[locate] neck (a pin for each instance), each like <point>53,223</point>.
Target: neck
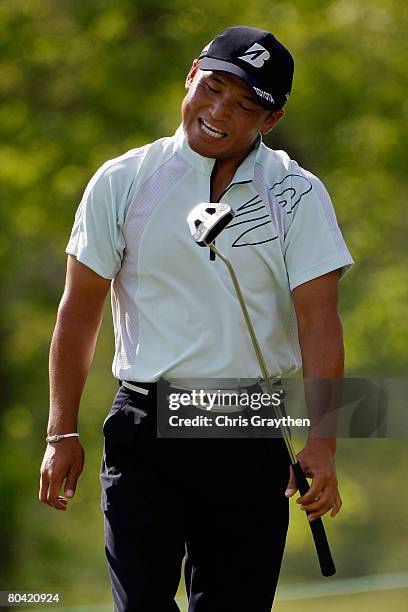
<point>223,173</point>
<point>221,176</point>
<point>228,167</point>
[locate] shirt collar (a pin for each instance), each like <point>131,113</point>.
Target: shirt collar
<point>205,165</point>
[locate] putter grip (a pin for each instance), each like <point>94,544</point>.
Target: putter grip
<point>319,535</point>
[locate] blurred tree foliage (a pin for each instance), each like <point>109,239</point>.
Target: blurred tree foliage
<point>82,82</point>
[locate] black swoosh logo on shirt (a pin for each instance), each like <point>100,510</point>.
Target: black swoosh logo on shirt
<point>289,192</point>
<point>251,206</point>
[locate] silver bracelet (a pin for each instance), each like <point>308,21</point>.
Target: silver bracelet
<point>59,437</point>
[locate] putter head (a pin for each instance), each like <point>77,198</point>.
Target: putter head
<point>207,220</point>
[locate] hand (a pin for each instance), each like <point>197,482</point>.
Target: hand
<point>317,461</point>
<point>62,460</point>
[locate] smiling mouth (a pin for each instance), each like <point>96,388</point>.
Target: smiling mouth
<point>210,130</point>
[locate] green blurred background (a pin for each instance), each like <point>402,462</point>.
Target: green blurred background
<point>82,82</point>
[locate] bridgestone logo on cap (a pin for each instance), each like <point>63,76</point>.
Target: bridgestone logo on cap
<point>264,94</point>
<point>256,55</point>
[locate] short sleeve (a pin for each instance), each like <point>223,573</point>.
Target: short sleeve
<point>96,239</point>
<point>313,244</point>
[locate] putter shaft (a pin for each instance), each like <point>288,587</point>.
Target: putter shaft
<point>257,348</point>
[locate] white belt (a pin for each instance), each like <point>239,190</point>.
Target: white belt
<point>135,388</point>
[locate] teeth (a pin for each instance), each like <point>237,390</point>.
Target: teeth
<point>212,128</point>
<point>208,129</point>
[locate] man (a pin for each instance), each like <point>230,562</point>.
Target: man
<point>176,318</point>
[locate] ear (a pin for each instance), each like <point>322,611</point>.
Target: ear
<point>271,120</point>
<point>191,74</point>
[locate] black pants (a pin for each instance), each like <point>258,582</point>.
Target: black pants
<point>217,502</point>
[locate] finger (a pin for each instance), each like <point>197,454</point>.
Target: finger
<point>325,499</point>
<point>315,515</point>
<point>71,483</point>
<point>62,503</point>
<point>292,484</point>
<point>336,506</point>
<point>53,497</point>
<point>316,488</point>
<point>327,504</point>
<point>43,492</point>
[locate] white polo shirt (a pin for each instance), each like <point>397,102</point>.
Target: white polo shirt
<point>175,312</point>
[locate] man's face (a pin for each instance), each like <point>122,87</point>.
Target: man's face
<point>221,115</point>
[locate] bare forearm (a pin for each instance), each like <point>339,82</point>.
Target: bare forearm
<point>72,349</point>
<point>323,368</point>
<point>321,344</point>
<point>71,353</point>
<point>322,349</point>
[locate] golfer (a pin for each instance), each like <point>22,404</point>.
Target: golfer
<point>221,504</point>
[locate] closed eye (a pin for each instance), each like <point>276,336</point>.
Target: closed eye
<point>212,88</point>
<point>249,110</point>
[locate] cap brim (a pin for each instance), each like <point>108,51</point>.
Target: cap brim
<point>211,63</point>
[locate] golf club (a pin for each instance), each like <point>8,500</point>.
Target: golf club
<point>206,221</point>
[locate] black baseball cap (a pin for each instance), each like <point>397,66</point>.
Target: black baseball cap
<point>255,56</point>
